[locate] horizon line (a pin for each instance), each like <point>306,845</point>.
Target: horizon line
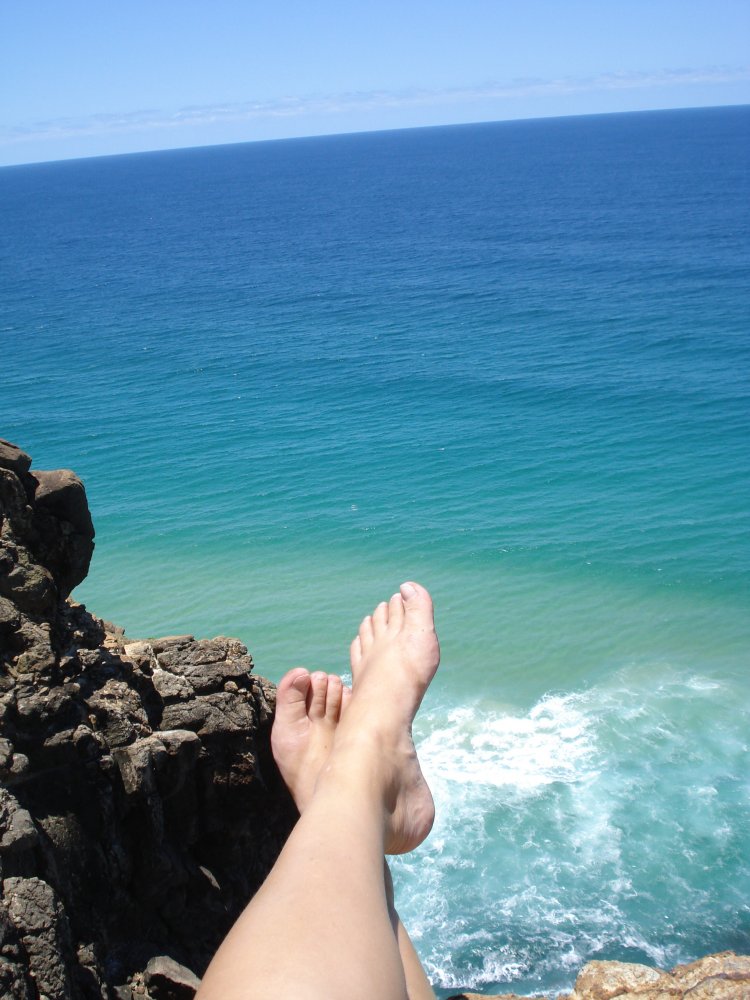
<point>376,131</point>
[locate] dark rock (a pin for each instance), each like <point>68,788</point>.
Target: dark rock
<point>17,830</point>
<point>10,617</point>
<point>46,536</point>
<point>63,538</point>
<point>171,687</point>
<point>168,980</point>
<point>28,585</point>
<point>61,494</point>
<point>35,641</point>
<point>89,979</point>
<point>14,982</point>
<point>208,664</point>
<point>39,918</point>
<point>13,502</point>
<point>11,457</point>
<point>218,714</point>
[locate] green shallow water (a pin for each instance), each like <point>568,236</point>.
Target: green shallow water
<point>504,624</point>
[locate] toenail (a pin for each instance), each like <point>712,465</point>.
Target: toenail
<point>408,590</point>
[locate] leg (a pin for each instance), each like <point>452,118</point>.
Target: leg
<point>320,926</point>
<point>308,709</point>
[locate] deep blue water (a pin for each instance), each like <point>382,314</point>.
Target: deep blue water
<point>510,360</point>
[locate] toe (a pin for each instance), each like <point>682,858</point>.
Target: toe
<point>366,634</point>
<point>291,707</point>
<point>355,652</point>
<point>417,606</point>
<point>395,612</point>
<point>291,694</point>
<point>333,699</point>
<point>380,618</point>
<point>316,699</point>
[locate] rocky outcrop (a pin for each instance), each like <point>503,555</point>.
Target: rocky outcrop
<point>725,976</point>
<point>139,804</point>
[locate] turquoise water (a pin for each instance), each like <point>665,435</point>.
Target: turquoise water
<point>510,361</point>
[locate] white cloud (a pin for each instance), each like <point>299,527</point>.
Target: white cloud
<point>148,120</point>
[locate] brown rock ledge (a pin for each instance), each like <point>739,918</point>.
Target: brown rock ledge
<point>724,976</point>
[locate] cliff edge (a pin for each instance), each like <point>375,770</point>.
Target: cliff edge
<point>140,807</point>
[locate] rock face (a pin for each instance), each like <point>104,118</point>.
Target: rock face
<point>140,807</point>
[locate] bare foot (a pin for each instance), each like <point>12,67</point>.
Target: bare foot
<point>394,657</point>
<point>308,708</point>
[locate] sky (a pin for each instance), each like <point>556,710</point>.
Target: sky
<point>86,78</point>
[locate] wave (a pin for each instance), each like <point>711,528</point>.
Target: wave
<point>607,822</point>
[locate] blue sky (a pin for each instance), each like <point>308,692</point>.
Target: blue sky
<point>85,78</point>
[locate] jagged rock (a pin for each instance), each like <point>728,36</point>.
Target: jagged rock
<point>166,979</point>
<point>46,533</point>
<point>61,493</point>
<point>14,983</point>
<point>724,976</point>
<point>39,918</point>
<point>17,830</point>
<point>604,980</point>
<point>64,532</point>
<point>726,965</point>
<point>11,457</point>
<point>219,714</point>
<point>30,586</point>
<point>10,617</point>
<point>140,807</point>
<point>171,687</point>
<point>160,764</point>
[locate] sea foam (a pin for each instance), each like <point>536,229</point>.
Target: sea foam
<point>592,825</point>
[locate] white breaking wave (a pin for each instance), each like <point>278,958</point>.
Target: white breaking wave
<point>606,822</point>
<point>553,742</point>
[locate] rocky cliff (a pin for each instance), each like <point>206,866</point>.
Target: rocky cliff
<point>139,804</point>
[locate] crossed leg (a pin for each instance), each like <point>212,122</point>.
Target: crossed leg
<point>323,923</point>
<point>308,709</point>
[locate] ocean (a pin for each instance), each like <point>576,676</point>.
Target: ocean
<point>508,360</point>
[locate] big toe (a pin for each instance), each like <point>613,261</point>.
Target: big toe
<point>291,696</point>
<point>418,613</point>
